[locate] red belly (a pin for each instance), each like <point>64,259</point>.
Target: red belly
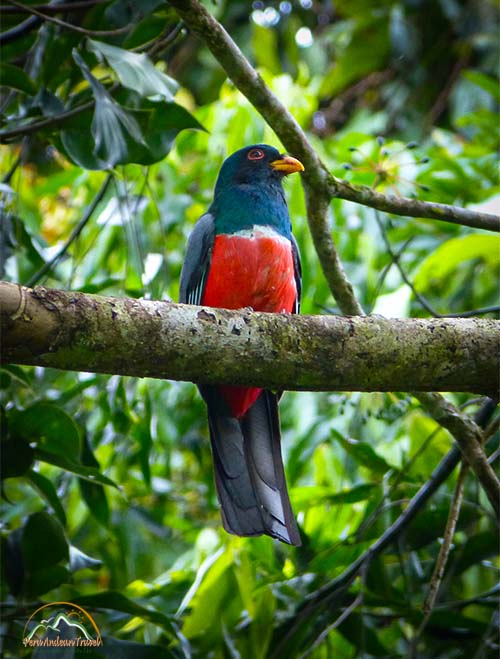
<point>252,272</point>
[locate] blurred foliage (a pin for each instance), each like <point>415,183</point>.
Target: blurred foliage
<point>108,497</point>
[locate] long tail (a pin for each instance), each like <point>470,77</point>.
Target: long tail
<point>249,472</point>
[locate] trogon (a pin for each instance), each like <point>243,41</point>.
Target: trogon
<point>240,254</point>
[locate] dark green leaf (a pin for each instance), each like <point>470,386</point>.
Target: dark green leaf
<point>305,496</point>
<point>488,83</point>
<point>478,547</point>
<point>147,30</point>
<point>12,564</point>
<point>159,124</point>
<point>116,649</point>
<point>17,456</point>
<point>136,71</point>
<point>116,601</point>
<point>45,487</point>
<point>364,454</point>
<point>90,473</point>
<point>17,373</point>
<point>93,493</point>
<point>360,634</point>
<point>43,580</point>
<point>110,124</point>
<point>430,524</point>
<point>450,625</point>
<point>43,542</point>
<point>14,77</point>
<point>52,429</point>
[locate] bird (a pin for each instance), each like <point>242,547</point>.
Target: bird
<point>242,254</point>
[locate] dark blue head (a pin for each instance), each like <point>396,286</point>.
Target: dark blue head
<point>249,190</point>
<point>259,164</point>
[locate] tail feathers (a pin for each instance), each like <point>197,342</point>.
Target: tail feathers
<point>249,472</point>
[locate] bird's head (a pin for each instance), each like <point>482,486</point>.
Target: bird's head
<point>254,165</point>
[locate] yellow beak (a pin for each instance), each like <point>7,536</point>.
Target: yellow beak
<point>287,165</point>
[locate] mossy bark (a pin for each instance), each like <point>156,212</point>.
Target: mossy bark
<point>76,331</point>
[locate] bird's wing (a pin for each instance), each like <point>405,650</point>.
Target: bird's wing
<point>249,472</point>
<point>297,269</point>
<point>197,261</point>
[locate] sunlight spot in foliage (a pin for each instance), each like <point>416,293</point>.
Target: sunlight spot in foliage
<point>267,17</point>
<point>304,37</point>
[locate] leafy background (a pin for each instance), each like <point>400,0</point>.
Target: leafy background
<point>108,497</point>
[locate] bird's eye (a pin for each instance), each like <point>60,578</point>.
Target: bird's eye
<point>255,154</point>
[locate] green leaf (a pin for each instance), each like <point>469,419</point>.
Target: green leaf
<point>90,473</point>
<point>117,649</point>
<point>211,589</point>
<point>356,630</point>
<point>15,78</point>
<point>159,124</point>
<point>363,454</point>
<point>453,253</point>
<point>430,524</point>
<point>43,542</point>
<point>109,126</point>
<point>49,427</point>
<point>116,601</point>
<point>17,457</point>
<point>136,71</point>
<point>45,487</point>
<point>305,496</point>
<point>17,373</point>
<point>455,626</point>
<point>145,31</point>
<point>477,548</point>
<point>93,493</point>
<point>12,561</point>
<point>488,83</point>
<point>42,581</point>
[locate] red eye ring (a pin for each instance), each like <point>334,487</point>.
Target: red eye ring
<point>255,154</point>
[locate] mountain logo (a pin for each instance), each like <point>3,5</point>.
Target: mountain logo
<point>61,624</point>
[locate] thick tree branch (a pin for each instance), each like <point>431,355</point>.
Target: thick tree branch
<point>77,331</point>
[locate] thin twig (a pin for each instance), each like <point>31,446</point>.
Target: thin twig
<point>444,551</point>
<point>79,5</point>
<point>395,258</point>
<point>50,122</point>
<point>343,616</point>
<point>163,42</point>
<point>19,31</point>
<point>69,26</point>
<point>388,266</point>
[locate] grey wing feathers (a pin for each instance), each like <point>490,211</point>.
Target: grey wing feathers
<point>249,472</point>
<point>197,261</point>
<point>297,272</point>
